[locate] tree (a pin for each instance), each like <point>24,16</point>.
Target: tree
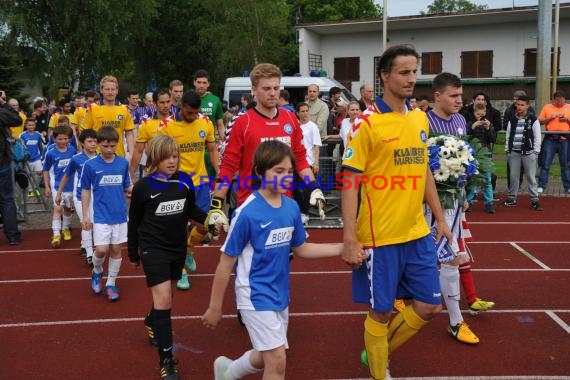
<point>453,6</point>
<point>335,10</point>
<point>10,67</point>
<point>70,40</point>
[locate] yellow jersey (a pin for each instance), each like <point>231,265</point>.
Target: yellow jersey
<point>79,115</point>
<point>149,128</point>
<point>116,116</point>
<point>192,139</point>
<point>53,120</point>
<point>389,151</point>
<point>17,131</point>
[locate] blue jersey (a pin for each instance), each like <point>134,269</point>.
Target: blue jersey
<point>73,171</point>
<point>56,163</point>
<point>107,183</point>
<point>33,142</point>
<point>261,238</point>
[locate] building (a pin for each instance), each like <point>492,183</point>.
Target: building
<point>493,50</point>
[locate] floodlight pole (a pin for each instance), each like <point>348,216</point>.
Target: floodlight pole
<point>385,26</point>
<point>555,55</point>
<point>543,53</point>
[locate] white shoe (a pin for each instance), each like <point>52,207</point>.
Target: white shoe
<point>305,219</point>
<point>540,190</point>
<point>221,365</point>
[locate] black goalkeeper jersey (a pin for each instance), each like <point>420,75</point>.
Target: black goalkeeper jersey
<point>159,214</point>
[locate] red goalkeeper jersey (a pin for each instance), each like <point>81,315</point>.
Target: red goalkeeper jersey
<point>248,131</point>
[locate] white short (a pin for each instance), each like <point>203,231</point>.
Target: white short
<point>105,234</point>
<point>79,209</point>
<point>267,329</point>
<point>66,198</point>
<point>36,166</point>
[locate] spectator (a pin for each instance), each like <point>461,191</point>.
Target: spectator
<point>246,99</point>
<point>482,130</point>
<point>39,112</point>
<point>318,110</point>
<point>284,99</point>
<point>15,105</point>
<point>8,119</point>
<point>493,115</point>
<point>556,117</point>
<point>312,143</point>
<point>423,103</point>
<point>413,102</point>
<point>366,100</point>
<point>511,109</point>
<point>522,146</point>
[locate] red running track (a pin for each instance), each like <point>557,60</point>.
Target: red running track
<point>52,326</point>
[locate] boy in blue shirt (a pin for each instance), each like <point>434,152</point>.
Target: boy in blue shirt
<point>104,182</point>
<point>55,163</point>
<point>34,145</point>
<point>88,140</point>
<point>264,229</point>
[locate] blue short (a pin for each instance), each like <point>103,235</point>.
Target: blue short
<point>406,270</point>
<point>202,195</point>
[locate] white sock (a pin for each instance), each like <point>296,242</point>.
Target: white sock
<point>241,367</point>
<point>87,242</point>
<point>66,221</point>
<point>114,267</point>
<point>449,281</point>
<point>98,264</point>
<point>56,226</point>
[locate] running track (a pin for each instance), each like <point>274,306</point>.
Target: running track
<point>53,327</point>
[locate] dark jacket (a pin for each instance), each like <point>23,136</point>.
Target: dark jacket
<point>493,115</point>
<point>8,118</point>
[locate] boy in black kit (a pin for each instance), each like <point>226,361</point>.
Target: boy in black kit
<point>161,206</point>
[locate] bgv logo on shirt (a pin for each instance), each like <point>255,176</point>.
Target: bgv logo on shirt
<point>279,236</point>
<point>170,207</point>
<point>111,180</point>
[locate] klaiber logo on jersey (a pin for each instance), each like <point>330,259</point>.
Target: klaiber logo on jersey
<point>111,180</point>
<point>279,236</point>
<point>170,207</point>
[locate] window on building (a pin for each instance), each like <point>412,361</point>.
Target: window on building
<point>347,70</point>
<point>477,64</point>
<point>530,62</point>
<point>431,62</point>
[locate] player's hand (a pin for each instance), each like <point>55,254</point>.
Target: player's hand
<point>318,200</point>
<point>353,254</point>
<point>211,318</point>
<point>57,199</point>
<point>216,217</point>
<point>442,229</point>
<point>86,225</point>
<point>196,237</point>
<point>129,191</point>
<point>47,192</point>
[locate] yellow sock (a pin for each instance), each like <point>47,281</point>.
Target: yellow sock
<point>404,326</point>
<point>376,342</point>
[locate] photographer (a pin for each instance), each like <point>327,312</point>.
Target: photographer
<point>482,129</point>
<point>8,118</point>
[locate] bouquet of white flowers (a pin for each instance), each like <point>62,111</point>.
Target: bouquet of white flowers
<point>453,163</point>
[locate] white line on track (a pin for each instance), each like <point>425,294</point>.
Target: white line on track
<point>528,255</point>
<point>57,279</point>
<point>520,223</point>
<point>52,250</point>
<point>473,378</point>
<point>559,320</point>
<point>194,317</point>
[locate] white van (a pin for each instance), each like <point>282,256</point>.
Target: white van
<point>297,87</point>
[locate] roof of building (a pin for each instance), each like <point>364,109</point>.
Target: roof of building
<point>485,17</point>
